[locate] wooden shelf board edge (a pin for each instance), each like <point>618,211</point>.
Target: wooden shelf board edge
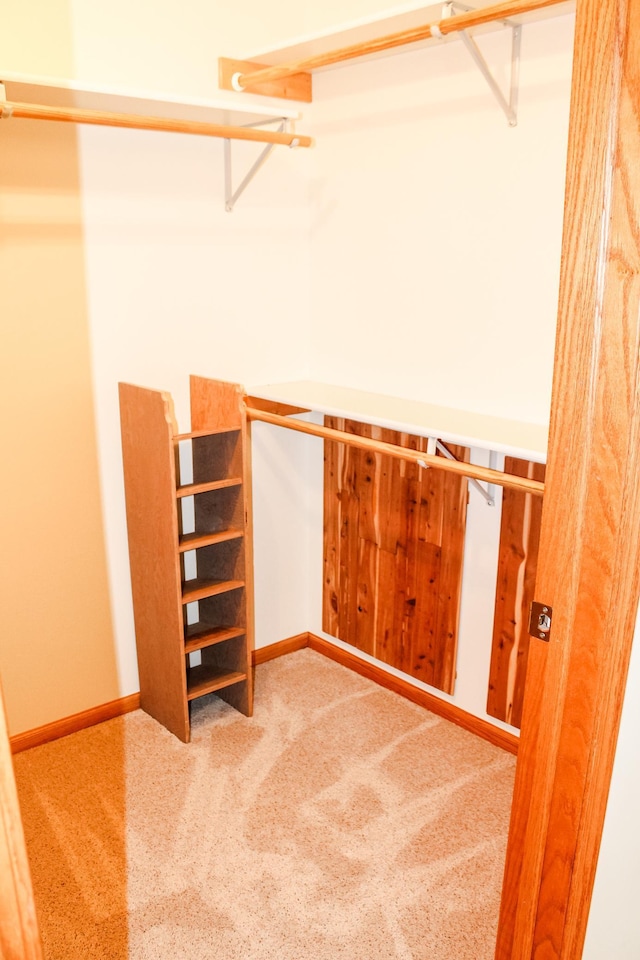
<point>191,541</point>
<point>191,489</point>
<point>274,406</point>
<point>209,637</point>
<point>195,434</point>
<point>74,723</point>
<point>209,589</point>
<point>204,681</point>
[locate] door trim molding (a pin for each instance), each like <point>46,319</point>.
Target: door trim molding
<point>589,549</point>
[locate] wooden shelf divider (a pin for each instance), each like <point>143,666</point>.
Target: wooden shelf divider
<point>191,541</point>
<point>201,636</point>
<point>201,681</point>
<point>191,489</point>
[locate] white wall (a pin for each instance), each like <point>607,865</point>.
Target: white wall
<point>437,228</point>
<point>614,921</point>
<point>176,285</point>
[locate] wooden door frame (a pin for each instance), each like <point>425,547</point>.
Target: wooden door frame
<point>589,549</point>
<point>19,937</point>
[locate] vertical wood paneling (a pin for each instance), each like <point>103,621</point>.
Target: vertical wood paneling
<point>453,515</point>
<point>517,566</point>
<point>19,937</point>
<point>349,548</point>
<point>331,510</point>
<point>385,638</point>
<point>394,536</point>
<point>366,592</point>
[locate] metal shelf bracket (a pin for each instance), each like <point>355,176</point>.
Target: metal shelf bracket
<point>230,196</point>
<point>510,106</point>
<point>487,493</point>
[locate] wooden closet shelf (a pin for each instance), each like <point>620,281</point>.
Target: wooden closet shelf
<point>191,489</point>
<point>199,635</point>
<point>198,589</point>
<point>262,78</point>
<point>191,541</point>
<point>466,428</point>
<point>205,679</point>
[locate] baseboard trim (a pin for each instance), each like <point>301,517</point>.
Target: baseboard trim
<point>481,728</point>
<point>78,721</point>
<point>116,708</point>
<point>280,649</point>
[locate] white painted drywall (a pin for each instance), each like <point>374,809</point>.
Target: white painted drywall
<point>176,285</point>
<point>613,932</point>
<point>437,228</point>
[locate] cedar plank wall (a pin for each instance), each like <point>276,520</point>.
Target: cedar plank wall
<point>393,548</point>
<point>517,566</point>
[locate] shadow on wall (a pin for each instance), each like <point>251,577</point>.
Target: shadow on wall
<point>57,654</point>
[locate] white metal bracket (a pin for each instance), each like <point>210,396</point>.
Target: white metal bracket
<point>488,493</point>
<point>510,106</point>
<point>230,196</point>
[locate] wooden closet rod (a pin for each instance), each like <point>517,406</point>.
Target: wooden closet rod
<point>462,21</point>
<point>401,453</point>
<point>29,111</point>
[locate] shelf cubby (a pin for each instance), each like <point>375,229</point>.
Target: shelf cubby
<point>191,541</point>
<point>223,665</point>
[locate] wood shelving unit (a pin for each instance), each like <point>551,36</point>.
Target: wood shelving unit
<point>192,588</point>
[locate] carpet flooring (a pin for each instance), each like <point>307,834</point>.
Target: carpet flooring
<point>341,821</point>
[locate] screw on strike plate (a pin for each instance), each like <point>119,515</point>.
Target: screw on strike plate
<point>540,620</point>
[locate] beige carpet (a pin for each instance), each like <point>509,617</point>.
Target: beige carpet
<point>340,822</point>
